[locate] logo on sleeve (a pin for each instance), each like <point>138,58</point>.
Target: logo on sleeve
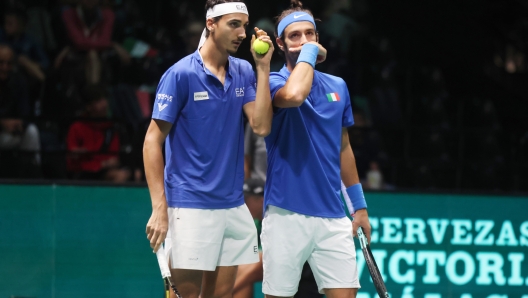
<point>239,92</point>
<point>164,97</point>
<point>201,95</point>
<point>161,107</point>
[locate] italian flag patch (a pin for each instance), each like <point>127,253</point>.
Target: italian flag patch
<point>332,96</point>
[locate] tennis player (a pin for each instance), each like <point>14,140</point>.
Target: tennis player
<point>309,153</point>
<point>199,109</point>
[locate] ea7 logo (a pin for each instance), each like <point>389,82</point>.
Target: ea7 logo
<point>161,107</point>
<point>239,92</point>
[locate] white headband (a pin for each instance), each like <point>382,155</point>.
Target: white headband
<point>220,10</point>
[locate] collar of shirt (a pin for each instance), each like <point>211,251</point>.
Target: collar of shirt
<point>228,77</point>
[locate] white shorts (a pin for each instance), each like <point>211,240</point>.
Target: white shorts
<point>202,239</point>
<point>290,239</point>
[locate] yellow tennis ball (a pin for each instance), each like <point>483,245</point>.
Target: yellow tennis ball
<point>260,47</point>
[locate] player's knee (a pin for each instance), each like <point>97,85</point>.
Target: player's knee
<point>223,291</point>
<point>187,292</point>
<point>227,294</point>
<point>341,293</point>
<point>172,295</point>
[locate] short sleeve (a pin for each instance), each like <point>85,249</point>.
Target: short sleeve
<point>348,118</point>
<point>250,86</point>
<point>276,82</point>
<point>171,96</point>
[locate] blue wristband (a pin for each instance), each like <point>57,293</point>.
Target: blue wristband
<point>355,193</point>
<point>308,54</point>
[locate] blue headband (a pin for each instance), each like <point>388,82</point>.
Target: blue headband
<point>297,16</point>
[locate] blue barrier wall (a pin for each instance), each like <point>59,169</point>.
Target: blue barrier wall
<point>73,241</point>
<point>70,241</point>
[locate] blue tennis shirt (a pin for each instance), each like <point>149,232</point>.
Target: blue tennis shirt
<point>304,148</point>
<point>204,151</point>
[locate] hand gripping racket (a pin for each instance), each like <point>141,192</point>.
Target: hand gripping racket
<point>165,273</point>
<point>371,264</point>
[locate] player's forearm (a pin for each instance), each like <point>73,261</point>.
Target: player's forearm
<point>351,188</point>
<point>299,84</point>
<point>263,112</point>
<point>153,161</point>
<point>349,174</point>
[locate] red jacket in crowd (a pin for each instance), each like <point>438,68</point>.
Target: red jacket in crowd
<point>96,37</point>
<point>90,137</point>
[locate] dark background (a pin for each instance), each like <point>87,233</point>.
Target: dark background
<point>438,89</point>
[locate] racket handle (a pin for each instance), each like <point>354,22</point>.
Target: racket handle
<point>362,238</point>
<point>162,261</point>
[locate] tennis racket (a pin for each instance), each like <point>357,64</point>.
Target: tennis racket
<point>371,264</point>
<point>165,273</point>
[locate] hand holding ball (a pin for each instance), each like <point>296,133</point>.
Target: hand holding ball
<point>260,47</point>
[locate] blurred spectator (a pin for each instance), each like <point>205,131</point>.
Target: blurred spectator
<point>374,177</point>
<point>431,107</point>
<point>385,103</point>
<point>514,60</point>
<point>129,20</point>
<point>15,132</point>
<point>338,27</point>
<point>248,274</point>
<point>341,36</point>
<point>366,144</point>
<point>255,157</point>
<point>254,199</point>
<point>94,143</point>
<point>413,104</point>
<point>481,113</point>
<point>39,26</point>
<point>29,55</point>
<point>89,25</point>
<point>166,48</point>
<point>191,36</point>
<point>89,28</point>
<point>90,58</point>
<point>255,167</point>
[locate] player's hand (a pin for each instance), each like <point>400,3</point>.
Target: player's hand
<point>262,60</point>
<point>157,227</point>
<point>361,220</point>
<point>321,56</point>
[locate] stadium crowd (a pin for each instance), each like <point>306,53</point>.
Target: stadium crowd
<point>78,77</point>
